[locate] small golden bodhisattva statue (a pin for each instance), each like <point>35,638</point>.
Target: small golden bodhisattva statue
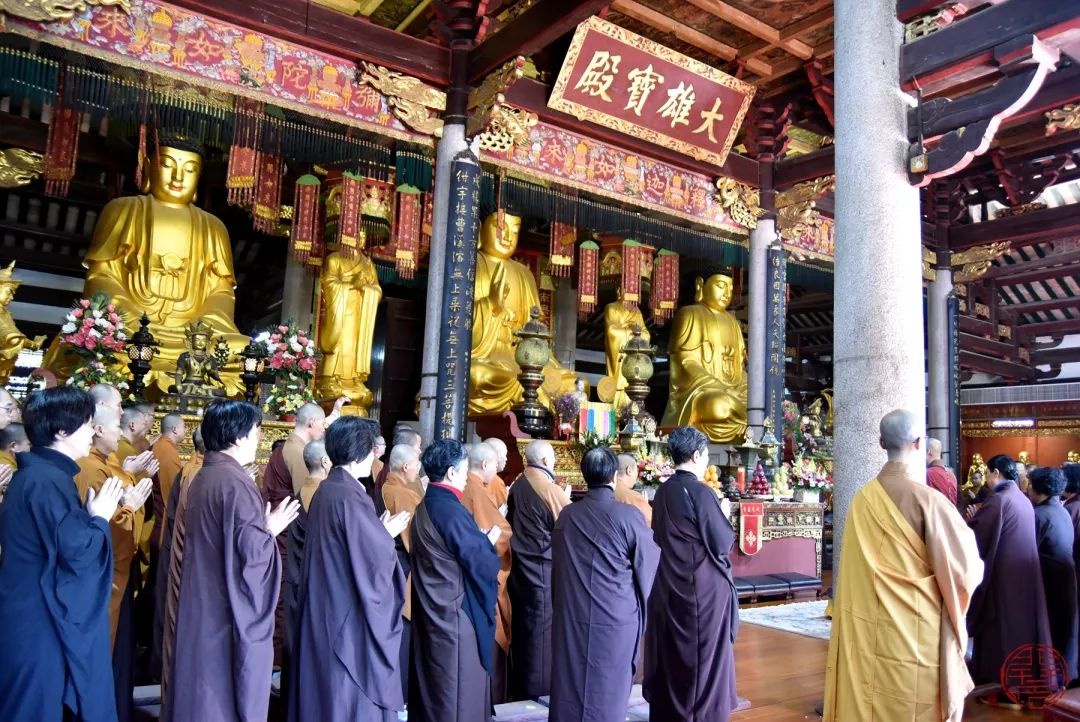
<point>620,318</point>
<point>197,369</point>
<point>12,340</point>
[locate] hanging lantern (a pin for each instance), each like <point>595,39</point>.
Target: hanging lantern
<point>665,286</point>
<point>588,278</point>
<point>407,233</point>
<point>563,237</point>
<point>350,233</point>
<point>631,271</point>
<point>267,209</point>
<point>305,224</point>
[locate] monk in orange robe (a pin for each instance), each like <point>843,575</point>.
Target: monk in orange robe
<point>625,478</point>
<point>481,504</point>
<point>169,466</point>
<point>498,489</point>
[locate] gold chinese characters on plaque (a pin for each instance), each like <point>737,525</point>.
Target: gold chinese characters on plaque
<point>623,81</point>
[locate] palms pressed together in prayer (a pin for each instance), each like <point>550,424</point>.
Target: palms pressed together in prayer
<point>493,534</point>
<point>134,497</point>
<point>146,461</point>
<point>103,503</point>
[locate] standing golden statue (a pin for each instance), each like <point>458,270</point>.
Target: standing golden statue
<point>620,318</point>
<point>708,365</point>
<point>977,467</point>
<point>12,340</point>
<point>505,292</point>
<point>350,298</point>
<point>160,255</point>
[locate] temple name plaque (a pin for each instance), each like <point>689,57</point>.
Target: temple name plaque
<point>625,82</point>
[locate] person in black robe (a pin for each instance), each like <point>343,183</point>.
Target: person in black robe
<point>533,506</point>
<point>57,570</point>
<point>1054,536</point>
<point>603,563</point>
<point>344,662</point>
<point>455,582</point>
<point>693,611</point>
<point>1008,610</point>
<point>229,581</point>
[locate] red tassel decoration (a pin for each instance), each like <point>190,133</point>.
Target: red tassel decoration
<point>305,226</point>
<point>631,271</point>
<point>427,224</point>
<point>407,240</point>
<point>351,234</point>
<point>267,210</point>
<point>665,286</point>
<point>563,237</point>
<point>61,147</point>
<point>588,278</point>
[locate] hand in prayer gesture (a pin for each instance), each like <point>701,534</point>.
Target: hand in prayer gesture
<point>493,534</point>
<point>150,441</point>
<point>103,503</point>
<point>286,512</point>
<point>503,509</point>
<point>969,512</point>
<point>395,524</point>
<point>252,470</point>
<point>725,507</point>
<point>567,489</point>
<point>141,462</point>
<point>6,472</point>
<point>135,496</point>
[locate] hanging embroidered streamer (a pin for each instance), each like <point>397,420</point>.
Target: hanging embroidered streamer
<point>244,154</point>
<point>588,278</point>
<point>305,226</point>
<point>425,226</point>
<point>563,237</point>
<point>350,233</point>
<point>632,253</point>
<point>377,210</point>
<point>665,286</point>
<point>61,146</point>
<point>407,232</point>
<point>267,209</point>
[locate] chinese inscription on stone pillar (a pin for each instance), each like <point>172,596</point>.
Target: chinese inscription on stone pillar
<point>455,334</point>
<point>775,329</point>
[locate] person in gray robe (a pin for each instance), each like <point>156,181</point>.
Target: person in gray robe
<point>344,661</point>
<point>455,582</point>
<point>229,582</point>
<point>693,611</point>
<point>603,563</point>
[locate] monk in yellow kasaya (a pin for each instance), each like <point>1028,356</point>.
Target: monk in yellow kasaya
<point>708,365</point>
<point>159,254</point>
<point>908,569</point>
<point>505,293</point>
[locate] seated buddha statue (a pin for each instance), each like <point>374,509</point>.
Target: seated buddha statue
<point>160,255</point>
<point>197,368</point>
<point>620,318</point>
<point>505,291</point>
<point>708,365</point>
<point>350,297</point>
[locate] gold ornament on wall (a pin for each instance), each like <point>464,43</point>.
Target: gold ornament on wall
<point>48,10</point>
<point>808,191</point>
<point>929,258</point>
<point>741,202</point>
<point>412,102</point>
<point>1066,118</point>
<point>508,127</point>
<point>18,167</point>
<point>974,262</point>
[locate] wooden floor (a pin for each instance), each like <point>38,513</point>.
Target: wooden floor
<point>783,676</point>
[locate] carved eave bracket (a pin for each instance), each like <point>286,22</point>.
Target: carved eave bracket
<point>415,104</point>
<point>51,10</point>
<point>740,202</point>
<point>507,127</point>
<point>970,264</point>
<point>1064,118</point>
<point>1026,63</point>
<point>486,98</point>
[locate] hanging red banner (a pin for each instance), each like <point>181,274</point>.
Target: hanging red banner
<point>632,252</point>
<point>61,147</point>
<point>588,278</point>
<point>240,175</point>
<point>267,208</point>
<point>561,254</point>
<point>305,226</point>
<point>350,232</point>
<point>751,514</point>
<point>425,226</point>
<point>664,294</point>
<point>407,234</point>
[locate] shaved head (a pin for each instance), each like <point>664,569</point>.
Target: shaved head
<point>105,415</point>
<point>540,453</point>
<point>105,395</point>
<point>901,433</point>
<point>401,455</point>
<point>933,449</point>
<point>500,452</point>
<point>483,461</point>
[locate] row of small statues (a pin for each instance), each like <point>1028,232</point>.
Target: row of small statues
<point>161,255</point>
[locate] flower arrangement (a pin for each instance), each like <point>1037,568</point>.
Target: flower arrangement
<point>653,471</point>
<point>290,351</point>
<point>567,408</point>
<point>286,397</point>
<point>591,440</point>
<point>809,474</point>
<point>94,330</point>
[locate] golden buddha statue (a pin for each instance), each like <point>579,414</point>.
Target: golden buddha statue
<point>197,368</point>
<point>160,255</point>
<point>1073,457</point>
<point>977,467</point>
<point>350,298</point>
<point>12,340</point>
<point>620,318</point>
<point>505,292</point>
<point>1024,458</point>
<point>708,365</point>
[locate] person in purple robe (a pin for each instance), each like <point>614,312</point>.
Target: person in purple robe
<point>1008,610</point>
<point>57,571</point>
<point>230,579</point>
<point>693,611</point>
<point>344,661</point>
<point>455,582</point>
<point>1072,506</point>
<point>603,564</point>
<point>1054,536</point>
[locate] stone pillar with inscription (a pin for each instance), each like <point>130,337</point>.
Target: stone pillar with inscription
<point>776,331</point>
<point>878,361</point>
<point>459,277</point>
<point>757,331</point>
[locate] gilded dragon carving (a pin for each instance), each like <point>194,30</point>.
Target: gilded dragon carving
<point>48,10</point>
